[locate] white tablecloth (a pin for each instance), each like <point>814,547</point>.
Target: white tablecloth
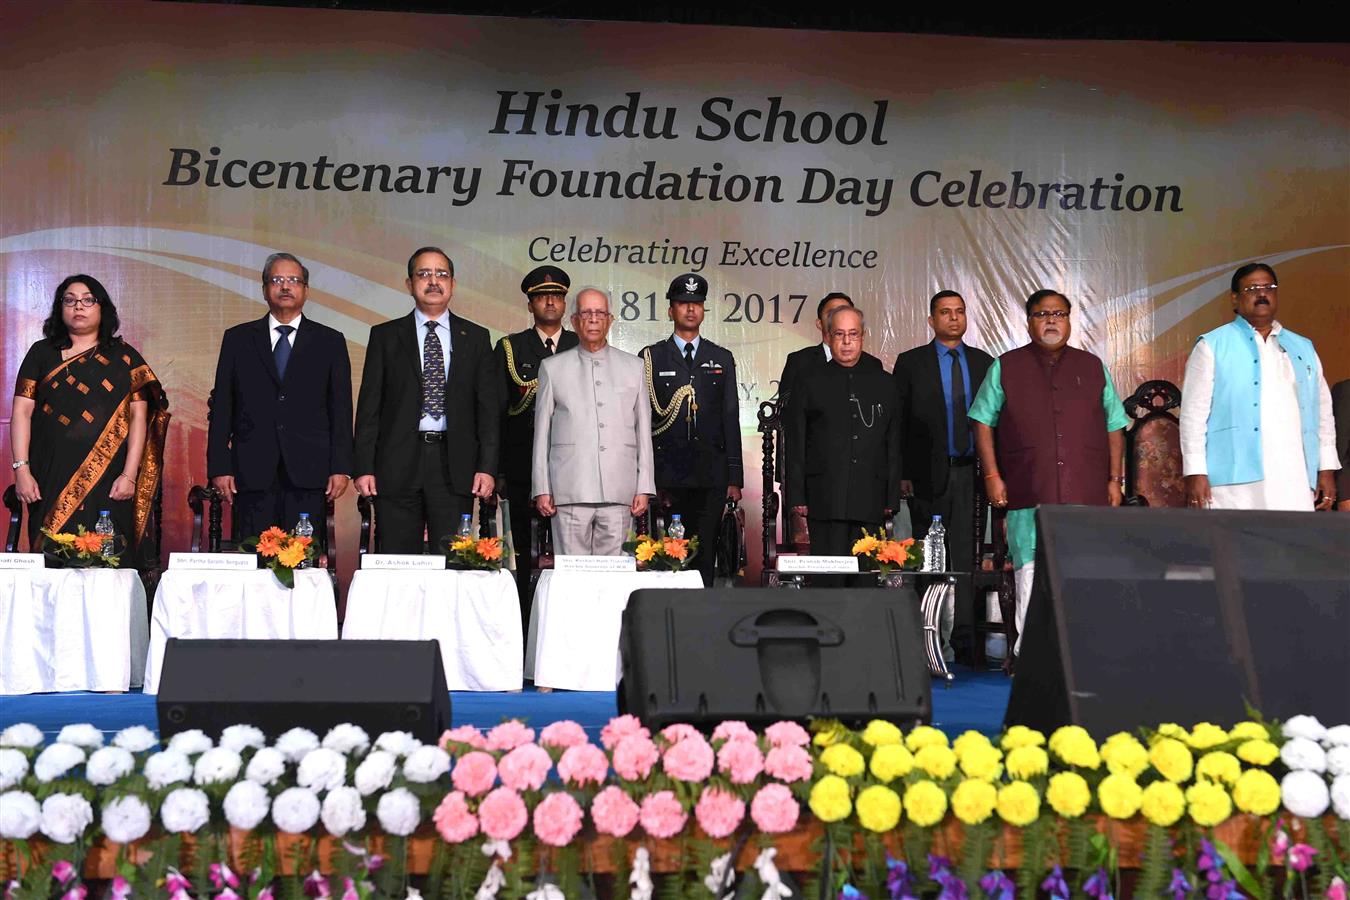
<point>575,623</point>
<point>197,603</point>
<point>71,630</point>
<point>474,615</point>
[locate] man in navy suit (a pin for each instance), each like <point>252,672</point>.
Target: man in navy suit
<point>427,416</point>
<point>279,440</point>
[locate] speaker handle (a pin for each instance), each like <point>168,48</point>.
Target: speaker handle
<point>745,633</point>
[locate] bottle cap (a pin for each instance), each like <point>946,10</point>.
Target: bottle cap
<point>304,515</point>
<point>937,518</point>
<point>674,517</point>
<point>104,512</point>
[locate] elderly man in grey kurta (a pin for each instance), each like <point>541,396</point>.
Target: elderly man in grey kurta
<point>592,437</point>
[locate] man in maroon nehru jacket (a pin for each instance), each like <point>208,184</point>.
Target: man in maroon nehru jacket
<point>1061,432</point>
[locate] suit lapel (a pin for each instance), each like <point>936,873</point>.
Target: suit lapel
<point>409,351</point>
<point>304,337</point>
<point>262,343</point>
<point>459,343</point>
<point>934,367</point>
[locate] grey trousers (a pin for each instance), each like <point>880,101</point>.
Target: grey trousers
<point>591,529</point>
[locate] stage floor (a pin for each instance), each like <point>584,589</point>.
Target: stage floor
<point>976,700</point>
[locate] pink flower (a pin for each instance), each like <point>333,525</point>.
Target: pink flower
<point>121,888</point>
<point>788,763</point>
<point>557,819</point>
<point>175,882</point>
<point>1279,845</point>
<point>741,761</point>
<point>619,728</point>
<point>690,759</point>
<point>464,734</point>
<point>661,815</point>
<point>502,814</point>
<point>563,734</point>
<point>1301,857</point>
<point>614,812</point>
<point>719,812</point>
<point>349,891</point>
<point>509,735</point>
<point>634,757</point>
<point>774,809</point>
<point>454,821</point>
<point>679,731</point>
<point>583,764</point>
<point>221,875</point>
<point>63,870</point>
<point>78,892</point>
<point>525,768</point>
<point>475,773</point>
<point>787,734</point>
<point>316,885</point>
<point>733,730</point>
<point>1336,890</point>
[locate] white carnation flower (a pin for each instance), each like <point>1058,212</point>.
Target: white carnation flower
<point>241,737</point>
<point>21,735</point>
<point>167,767</point>
<point>1340,796</point>
<point>65,817</point>
<point>107,764</point>
<point>1305,794</point>
<point>347,738</point>
<point>343,812</point>
<point>399,743</point>
<point>426,764</point>
<point>398,812</point>
<point>217,765</point>
<point>56,760</point>
<point>1303,753</point>
<point>1338,736</point>
<point>266,766</point>
<point>1338,760</point>
<point>20,815</point>
<point>185,810</point>
<point>82,735</point>
<point>376,772</point>
<point>322,770</point>
<point>295,810</point>
<point>13,766</point>
<point>295,743</point>
<point>246,805</point>
<point>191,742</point>
<point>1305,727</point>
<point>126,819</point>
<point>136,739</point>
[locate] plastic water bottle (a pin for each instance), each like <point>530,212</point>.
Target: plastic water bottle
<point>466,525</point>
<point>104,526</point>
<point>935,547</point>
<point>304,528</point>
<point>676,529</point>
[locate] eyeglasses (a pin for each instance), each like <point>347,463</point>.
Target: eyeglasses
<point>279,280</point>
<point>428,274</point>
<point>848,336</point>
<point>1050,314</point>
<point>592,314</point>
<point>81,302</point>
<point>1258,288</point>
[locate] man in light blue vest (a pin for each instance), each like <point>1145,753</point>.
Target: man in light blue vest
<point>1256,424</point>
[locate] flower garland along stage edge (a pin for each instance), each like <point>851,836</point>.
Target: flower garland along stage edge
<point>1257,809</point>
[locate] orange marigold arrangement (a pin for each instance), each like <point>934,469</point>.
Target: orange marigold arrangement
<point>82,549</point>
<point>477,553</point>
<point>664,553</point>
<point>282,552</point>
<point>876,553</point>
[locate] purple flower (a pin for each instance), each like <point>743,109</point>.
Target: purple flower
<point>121,888</point>
<point>1301,857</point>
<point>997,886</point>
<point>221,876</point>
<point>316,885</point>
<point>938,867</point>
<point>349,890</point>
<point>1180,885</point>
<point>1099,886</point>
<point>1055,885</point>
<point>176,884</point>
<point>899,880</point>
<point>228,894</point>
<point>11,888</point>
<point>63,870</point>
<point>940,870</point>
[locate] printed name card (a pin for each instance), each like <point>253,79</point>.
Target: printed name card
<point>22,561</point>
<point>222,562</point>
<point>597,564</point>
<point>806,565</point>
<point>403,562</point>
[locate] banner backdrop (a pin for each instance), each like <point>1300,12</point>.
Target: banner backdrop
<point>168,148</point>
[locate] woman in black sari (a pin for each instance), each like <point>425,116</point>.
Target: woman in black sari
<point>89,420</point>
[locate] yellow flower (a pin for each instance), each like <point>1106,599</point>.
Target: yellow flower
<point>1068,794</point>
<point>64,538</point>
<point>1219,766</point>
<point>880,734</point>
<point>1248,731</point>
<point>1257,792</point>
<point>1171,729</point>
<point>926,802</point>
<point>1119,796</point>
<point>828,731</point>
<point>1206,735</point>
<point>1021,736</point>
<point>1124,755</point>
<point>971,741</point>
<point>291,556</point>
<point>865,544</point>
<point>1258,752</point>
<point>925,736</point>
<point>1027,762</point>
<point>973,801</point>
<point>1163,803</point>
<point>878,808</point>
<point>1208,802</point>
<point>1018,804</point>
<point>461,544</point>
<point>646,550</point>
<point>830,799</point>
<point>843,760</point>
<point>984,763</point>
<point>891,762</point>
<point>939,762</point>
<point>1075,746</point>
<point>1172,759</point>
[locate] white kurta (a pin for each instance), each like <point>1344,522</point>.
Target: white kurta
<point>1285,485</point>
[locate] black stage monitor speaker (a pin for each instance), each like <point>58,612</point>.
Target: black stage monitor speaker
<point>1140,616</point>
<point>761,655</point>
<point>277,685</point>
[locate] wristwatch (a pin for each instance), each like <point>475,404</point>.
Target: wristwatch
<point>18,462</point>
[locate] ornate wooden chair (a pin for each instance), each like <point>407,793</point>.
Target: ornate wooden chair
<point>798,537</point>
<point>207,505</point>
<point>1153,446</point>
<point>487,524</point>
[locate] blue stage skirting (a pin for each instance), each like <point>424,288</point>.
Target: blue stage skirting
<point>975,701</point>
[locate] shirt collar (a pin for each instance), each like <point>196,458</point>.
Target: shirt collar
<point>959,349</point>
<point>272,323</point>
<point>680,342</point>
<point>421,318</point>
<point>829,357</point>
<point>556,338</point>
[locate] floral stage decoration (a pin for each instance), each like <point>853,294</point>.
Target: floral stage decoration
<point>1257,809</point>
<point>475,553</point>
<point>661,554</point>
<point>282,552</point>
<point>82,549</point>
<point>880,554</point>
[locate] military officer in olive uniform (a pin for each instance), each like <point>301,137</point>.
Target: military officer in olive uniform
<point>696,432</point>
<point>518,359</point>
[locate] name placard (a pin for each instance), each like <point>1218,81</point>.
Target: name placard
<point>403,562</point>
<point>222,562</point>
<point>563,563</point>
<point>22,561</point>
<point>806,565</point>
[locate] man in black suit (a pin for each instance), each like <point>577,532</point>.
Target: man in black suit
<point>279,434</point>
<point>427,424</point>
<point>936,383</point>
<point>696,425</point>
<point>517,363</point>
<point>801,363</point>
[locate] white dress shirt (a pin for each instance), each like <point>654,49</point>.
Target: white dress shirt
<point>433,423</point>
<point>273,324</point>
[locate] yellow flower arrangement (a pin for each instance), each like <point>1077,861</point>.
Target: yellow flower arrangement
<point>843,760</point>
<point>1206,735</point>
<point>64,538</point>
<point>926,802</point>
<point>865,544</point>
<point>1119,796</point>
<point>1027,762</point>
<point>1257,792</point>
<point>973,801</point>
<point>829,799</point>
<point>1075,747</point>
<point>891,761</point>
<point>971,741</point>
<point>878,808</point>
<point>1172,759</point>
<point>461,544</point>
<point>1021,736</point>
<point>1163,803</point>
<point>1018,804</point>
<point>879,733</point>
<point>1208,803</point>
<point>925,736</point>
<point>1248,731</point>
<point>984,763</point>
<point>82,549</point>
<point>661,553</point>
<point>1124,755</point>
<point>1219,766</point>
<point>876,552</point>
<point>938,762</point>
<point>1258,752</point>
<point>282,551</point>
<point>646,550</point>
<point>291,555</point>
<point>1068,794</point>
